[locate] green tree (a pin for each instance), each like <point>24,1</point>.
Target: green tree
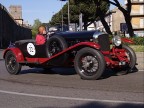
<point>56,19</point>
<point>74,15</point>
<point>35,26</point>
<point>86,7</point>
<point>101,7</point>
<point>88,10</point>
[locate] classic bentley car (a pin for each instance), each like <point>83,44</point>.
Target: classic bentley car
<point>89,52</point>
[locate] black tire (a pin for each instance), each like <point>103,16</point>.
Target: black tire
<point>85,70</point>
<point>12,66</point>
<point>132,55</point>
<point>54,45</point>
<point>132,58</point>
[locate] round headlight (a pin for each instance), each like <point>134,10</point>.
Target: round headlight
<point>117,40</point>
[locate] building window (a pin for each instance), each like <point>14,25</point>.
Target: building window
<point>142,23</point>
<point>142,9</point>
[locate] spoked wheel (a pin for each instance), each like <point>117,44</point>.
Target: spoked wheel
<point>12,66</point>
<point>89,64</point>
<point>55,45</point>
<point>131,56</point>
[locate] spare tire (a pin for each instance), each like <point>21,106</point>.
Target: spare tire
<point>54,45</point>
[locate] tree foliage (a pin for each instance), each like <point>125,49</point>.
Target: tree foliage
<point>35,26</point>
<point>90,13</point>
<point>101,7</point>
<point>86,7</point>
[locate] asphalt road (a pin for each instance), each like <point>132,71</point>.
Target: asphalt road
<point>63,88</point>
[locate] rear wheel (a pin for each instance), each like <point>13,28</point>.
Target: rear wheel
<point>12,66</point>
<point>89,63</point>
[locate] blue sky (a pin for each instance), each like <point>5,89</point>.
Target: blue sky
<point>36,9</point>
<point>33,9</point>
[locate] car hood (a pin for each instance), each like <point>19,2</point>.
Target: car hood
<point>77,35</point>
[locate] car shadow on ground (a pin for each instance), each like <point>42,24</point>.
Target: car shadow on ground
<point>53,71</point>
<point>102,105</point>
<point>109,73</point>
<point>69,71</point>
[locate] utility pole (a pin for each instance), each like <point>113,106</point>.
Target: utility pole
<point>1,30</point>
<point>68,12</point>
<point>80,21</point>
<point>62,16</point>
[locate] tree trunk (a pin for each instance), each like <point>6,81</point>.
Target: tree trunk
<point>85,25</point>
<point>129,25</point>
<point>126,13</point>
<point>105,24</point>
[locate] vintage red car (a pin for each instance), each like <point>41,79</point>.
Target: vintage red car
<point>90,52</point>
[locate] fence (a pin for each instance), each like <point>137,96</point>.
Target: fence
<point>10,31</point>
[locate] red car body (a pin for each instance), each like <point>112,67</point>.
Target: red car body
<point>115,57</point>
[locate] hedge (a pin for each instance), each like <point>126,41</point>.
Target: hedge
<point>138,40</point>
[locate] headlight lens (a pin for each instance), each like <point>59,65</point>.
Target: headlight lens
<point>117,41</point>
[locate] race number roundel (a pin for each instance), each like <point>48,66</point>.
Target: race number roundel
<point>31,49</point>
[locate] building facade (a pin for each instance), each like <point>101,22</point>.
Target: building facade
<point>114,18</point>
<point>137,14</point>
<point>16,12</point>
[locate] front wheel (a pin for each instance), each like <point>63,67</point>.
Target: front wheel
<point>131,56</point>
<point>132,61</point>
<point>89,63</point>
<point>12,66</point>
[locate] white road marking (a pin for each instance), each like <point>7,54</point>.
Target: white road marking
<point>67,98</point>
